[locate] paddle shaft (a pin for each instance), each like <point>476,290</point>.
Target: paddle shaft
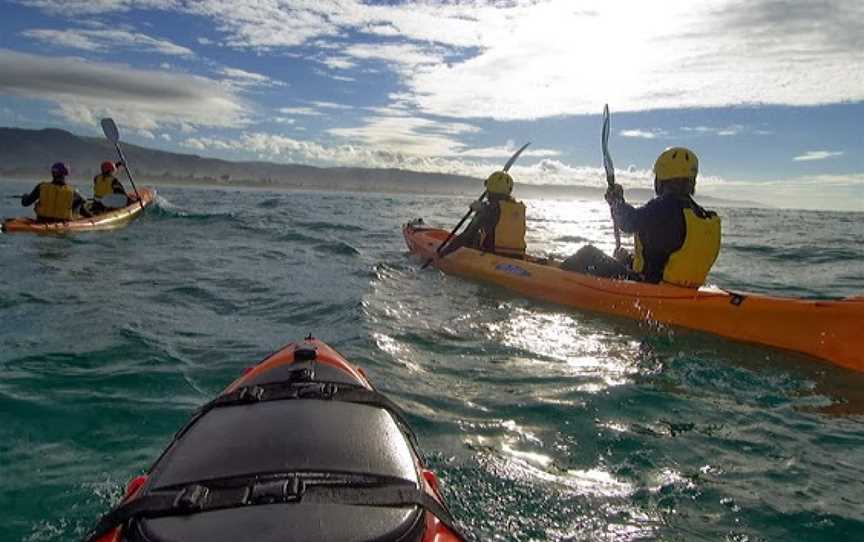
<point>610,172</point>
<point>452,233</point>
<point>128,173</point>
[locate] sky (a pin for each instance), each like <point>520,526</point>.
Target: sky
<point>768,93</point>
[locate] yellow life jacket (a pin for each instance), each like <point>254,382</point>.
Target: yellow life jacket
<point>55,201</point>
<point>510,230</point>
<point>689,265</point>
<point>103,185</point>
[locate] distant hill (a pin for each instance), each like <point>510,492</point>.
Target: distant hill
<point>27,154</point>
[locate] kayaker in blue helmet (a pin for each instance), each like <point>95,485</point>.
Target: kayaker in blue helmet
<point>55,201</point>
<point>676,240</point>
<point>499,223</point>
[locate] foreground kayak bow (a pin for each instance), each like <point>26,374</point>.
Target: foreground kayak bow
<point>301,447</point>
<point>832,330</point>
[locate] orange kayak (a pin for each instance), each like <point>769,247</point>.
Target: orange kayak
<point>105,221</point>
<point>300,447</point>
<point>832,330</point>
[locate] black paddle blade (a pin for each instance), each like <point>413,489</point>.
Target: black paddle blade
<point>110,130</point>
<point>607,160</point>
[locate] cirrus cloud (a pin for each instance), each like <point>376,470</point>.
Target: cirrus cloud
<point>817,155</point>
<point>106,39</point>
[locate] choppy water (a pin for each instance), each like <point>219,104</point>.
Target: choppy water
<point>543,423</point>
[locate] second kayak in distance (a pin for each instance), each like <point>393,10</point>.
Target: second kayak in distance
<point>110,220</point>
<point>832,330</point>
<point>300,447</point>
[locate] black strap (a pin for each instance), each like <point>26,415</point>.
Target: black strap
<point>197,498</point>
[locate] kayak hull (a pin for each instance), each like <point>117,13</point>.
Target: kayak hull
<point>832,330</point>
<point>106,221</point>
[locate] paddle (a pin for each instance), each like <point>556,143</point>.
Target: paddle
<point>464,218</point>
<point>113,135</point>
<point>610,171</point>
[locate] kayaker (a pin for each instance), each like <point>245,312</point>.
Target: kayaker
<point>499,223</point>
<point>108,191</point>
<point>55,201</point>
<point>676,240</point>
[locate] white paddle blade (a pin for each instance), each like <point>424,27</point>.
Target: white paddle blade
<point>110,130</point>
<point>515,156</point>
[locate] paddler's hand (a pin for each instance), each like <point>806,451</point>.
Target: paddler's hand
<point>623,256</point>
<point>614,194</point>
<point>476,206</point>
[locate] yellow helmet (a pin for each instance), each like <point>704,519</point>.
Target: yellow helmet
<point>676,163</point>
<point>499,182</point>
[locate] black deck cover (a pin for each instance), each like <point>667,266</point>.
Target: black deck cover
<point>279,437</point>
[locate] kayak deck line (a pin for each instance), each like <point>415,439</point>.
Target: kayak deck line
<point>831,330</point>
<point>103,221</point>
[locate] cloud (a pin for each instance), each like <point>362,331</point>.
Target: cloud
<point>245,78</point>
<point>406,56</point>
<point>409,135</point>
<point>338,63</point>
<point>330,105</point>
<point>527,59</point>
<point>83,92</point>
<point>732,130</point>
<point>92,7</point>
<point>835,192</point>
<point>308,111</point>
<point>106,39</point>
<point>506,152</point>
<point>643,134</point>
<point>459,161</point>
<point>817,155</point>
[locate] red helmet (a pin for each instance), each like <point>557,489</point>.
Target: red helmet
<point>108,167</point>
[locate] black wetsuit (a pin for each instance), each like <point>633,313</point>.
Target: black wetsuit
<point>661,228</point>
<point>480,233</point>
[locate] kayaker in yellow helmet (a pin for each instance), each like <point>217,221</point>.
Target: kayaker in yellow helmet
<point>55,201</point>
<point>108,191</point>
<point>499,223</point>
<point>676,240</point>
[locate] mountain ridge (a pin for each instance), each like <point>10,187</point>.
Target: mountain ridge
<point>26,154</point>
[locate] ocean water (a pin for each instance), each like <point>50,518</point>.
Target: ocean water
<point>543,423</point>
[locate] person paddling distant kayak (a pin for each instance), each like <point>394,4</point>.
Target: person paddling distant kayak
<point>108,191</point>
<point>498,225</point>
<point>55,201</point>
<point>676,240</point>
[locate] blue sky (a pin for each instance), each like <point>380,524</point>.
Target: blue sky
<point>769,93</point>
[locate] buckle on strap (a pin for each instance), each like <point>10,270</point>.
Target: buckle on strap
<point>192,498</point>
<point>277,491</point>
<point>250,394</point>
